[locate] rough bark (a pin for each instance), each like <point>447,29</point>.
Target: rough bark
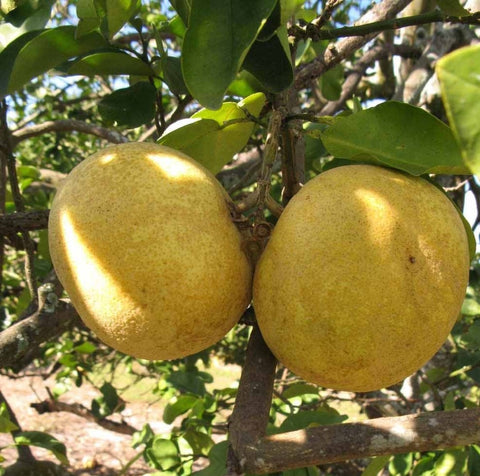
<point>346,441</point>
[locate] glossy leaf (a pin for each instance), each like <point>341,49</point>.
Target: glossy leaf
<point>37,52</point>
<point>269,62</point>
<point>218,38</point>
<point>396,135</point>
<point>459,75</point>
<point>217,458</point>
<point>131,107</point>
<point>43,440</point>
<point>208,138</point>
<point>111,62</point>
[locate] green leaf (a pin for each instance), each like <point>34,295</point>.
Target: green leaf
<point>90,17</point>
<point>118,13</point>
<point>472,336</point>
<point>181,405</point>
<point>451,463</point>
<point>200,442</point>
<point>400,465</point>
<point>376,465</point>
<point>35,53</point>
<point>397,135</point>
<point>85,348</point>
<point>43,440</point>
<point>131,107</point>
<point>474,460</point>
<point>163,454</point>
<point>172,74</point>
<point>459,76</point>
<point>36,19</point>
<point>6,425</point>
<point>452,7</point>
<point>111,62</point>
<point>270,63</point>
<point>218,37</point>
<point>304,419</point>
<point>270,26</point>
<point>182,7</point>
<point>142,437</point>
<point>424,467</point>
<point>217,461</point>
<point>470,307</point>
<point>208,138</point>
<point>108,403</point>
<point>289,8</point>
<point>300,389</point>
<point>331,83</point>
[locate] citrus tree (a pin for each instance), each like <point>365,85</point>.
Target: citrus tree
<point>266,95</point>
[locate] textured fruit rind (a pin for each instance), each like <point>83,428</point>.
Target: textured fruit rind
<point>363,278</point>
<point>142,240</point>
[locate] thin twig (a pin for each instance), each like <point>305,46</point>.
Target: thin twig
<point>344,48</point>
<point>28,243</point>
<point>67,125</point>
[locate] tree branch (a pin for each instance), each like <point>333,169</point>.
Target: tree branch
<point>391,24</point>
<point>67,125</point>
<point>249,419</point>
<point>346,441</point>
<point>24,221</point>
<point>51,405</point>
<point>358,71</point>
<point>339,51</point>
<point>21,338</point>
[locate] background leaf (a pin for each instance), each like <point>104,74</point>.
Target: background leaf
<point>118,13</point>
<point>111,62</point>
<point>219,35</point>
<point>218,461</point>
<point>43,440</point>
<point>459,75</point>
<point>397,135</point>
<point>35,53</point>
<point>132,106</point>
<point>269,62</point>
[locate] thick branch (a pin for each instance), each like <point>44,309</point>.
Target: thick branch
<point>19,339</point>
<point>25,221</point>
<point>358,71</point>
<point>78,409</point>
<point>380,436</point>
<point>67,125</point>
<point>344,48</point>
<point>254,398</point>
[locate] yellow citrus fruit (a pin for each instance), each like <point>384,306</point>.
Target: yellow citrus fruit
<point>141,238</point>
<point>362,279</point>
